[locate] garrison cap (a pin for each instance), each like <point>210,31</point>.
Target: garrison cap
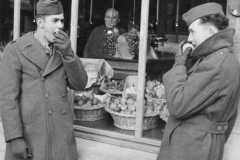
<point>49,7</point>
<point>201,11</point>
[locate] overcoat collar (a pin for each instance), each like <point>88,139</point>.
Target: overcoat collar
<point>222,39</point>
<point>31,49</point>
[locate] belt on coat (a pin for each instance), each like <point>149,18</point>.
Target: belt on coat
<point>212,127</point>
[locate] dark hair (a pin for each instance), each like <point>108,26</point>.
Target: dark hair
<point>218,20</point>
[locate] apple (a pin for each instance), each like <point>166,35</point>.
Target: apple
<point>80,102</point>
<point>117,101</point>
<point>113,99</point>
<point>132,107</point>
<point>128,111</point>
<point>123,107</point>
<point>119,105</point>
<point>89,102</point>
<point>130,101</point>
<point>117,109</point>
<point>84,97</point>
<point>91,97</point>
<point>119,97</point>
<point>113,106</point>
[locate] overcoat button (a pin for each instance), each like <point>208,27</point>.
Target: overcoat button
<point>225,127</point>
<point>43,79</point>
<point>64,112</point>
<point>47,95</point>
<point>63,95</point>
<point>50,112</point>
<point>219,128</point>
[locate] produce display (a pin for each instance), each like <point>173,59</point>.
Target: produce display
<point>112,86</point>
<point>155,95</point>
<point>111,37</point>
<point>132,39</point>
<point>154,89</point>
<point>92,100</point>
<point>123,105</point>
<point>87,101</point>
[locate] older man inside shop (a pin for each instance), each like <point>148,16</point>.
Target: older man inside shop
<point>96,46</point>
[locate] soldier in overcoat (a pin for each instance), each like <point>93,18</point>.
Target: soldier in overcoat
<point>36,70</point>
<point>202,101</point>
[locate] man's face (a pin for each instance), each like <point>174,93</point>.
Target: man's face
<point>51,23</point>
<point>198,32</point>
<point>111,18</point>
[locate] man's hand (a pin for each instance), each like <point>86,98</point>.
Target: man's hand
<point>63,43</point>
<point>181,57</point>
<point>20,148</point>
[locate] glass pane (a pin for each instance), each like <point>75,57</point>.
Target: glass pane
<point>26,17</point>
<point>6,23</point>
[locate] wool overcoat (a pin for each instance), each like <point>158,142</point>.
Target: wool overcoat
<point>202,102</point>
<point>34,99</point>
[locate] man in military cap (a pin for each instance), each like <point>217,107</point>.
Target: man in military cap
<point>36,70</point>
<point>202,101</point>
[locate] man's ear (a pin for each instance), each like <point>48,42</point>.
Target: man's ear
<point>40,22</point>
<point>118,20</point>
<point>212,30</point>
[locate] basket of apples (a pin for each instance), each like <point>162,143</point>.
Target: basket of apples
<point>123,112</point>
<point>90,108</point>
<point>112,86</point>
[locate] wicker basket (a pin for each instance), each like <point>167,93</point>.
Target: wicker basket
<point>90,113</point>
<point>127,122</point>
<point>103,89</point>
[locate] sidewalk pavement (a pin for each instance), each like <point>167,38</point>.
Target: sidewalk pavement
<point>92,150</point>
